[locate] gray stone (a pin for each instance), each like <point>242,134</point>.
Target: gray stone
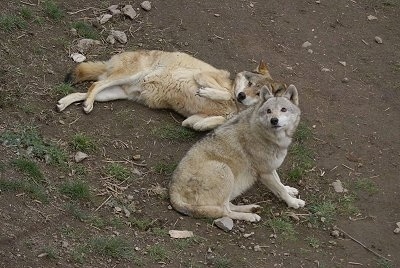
<point>224,223</point>
<point>129,11</point>
<point>104,18</point>
<point>306,44</point>
<point>146,5</point>
<point>119,36</point>
<point>80,156</point>
<point>378,40</point>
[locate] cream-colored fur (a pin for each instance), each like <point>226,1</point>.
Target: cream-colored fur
<point>171,80</point>
<point>249,147</point>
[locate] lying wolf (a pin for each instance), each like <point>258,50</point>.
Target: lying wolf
<point>247,148</point>
<point>169,80</point>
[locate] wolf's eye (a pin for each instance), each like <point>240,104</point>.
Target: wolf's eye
<point>283,110</point>
<point>268,111</point>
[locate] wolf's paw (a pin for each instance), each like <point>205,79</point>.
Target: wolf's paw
<point>295,203</point>
<point>203,92</point>
<point>291,191</point>
<point>61,106</point>
<point>87,107</point>
<point>252,217</point>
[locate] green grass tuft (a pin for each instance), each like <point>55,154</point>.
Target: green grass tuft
<point>29,168</point>
<point>324,210</point>
<point>12,22</point>
<point>32,189</point>
<point>112,247</point>
<point>174,132</point>
<point>85,30</point>
<point>52,10</point>
<point>283,227</point>
<point>77,190</point>
<point>166,169</point>
<point>64,89</point>
<point>81,142</point>
<point>158,253</point>
<point>118,172</point>
<point>366,185</point>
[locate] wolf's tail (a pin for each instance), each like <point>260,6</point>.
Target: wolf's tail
<point>86,71</point>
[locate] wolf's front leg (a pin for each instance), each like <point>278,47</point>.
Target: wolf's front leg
<point>272,181</point>
<point>213,94</point>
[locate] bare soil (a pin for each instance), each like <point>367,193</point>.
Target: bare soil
<point>354,136</point>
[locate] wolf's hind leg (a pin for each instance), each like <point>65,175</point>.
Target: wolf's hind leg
<point>69,99</point>
<point>244,208</point>
<point>111,93</point>
<point>214,94</point>
<point>209,123</point>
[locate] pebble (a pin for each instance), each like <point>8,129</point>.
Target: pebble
<point>114,10</point>
<point>78,57</point>
<point>224,223</point>
<point>129,11</point>
<point>310,51</point>
<point>136,157</point>
<point>325,70</point>
<point>80,156</point>
<point>248,235</point>
<point>64,244</point>
<point>110,39</point>
<point>127,212</point>
<point>378,40</point>
<point>371,17</point>
<point>257,248</point>
<point>119,36</point>
<point>335,233</point>
<point>343,63</point>
<point>345,80</point>
<point>74,31</point>
<point>146,5</point>
<point>338,187</point>
<point>117,209</point>
<point>397,230</point>
<point>104,18</point>
<point>85,44</point>
<point>306,44</point>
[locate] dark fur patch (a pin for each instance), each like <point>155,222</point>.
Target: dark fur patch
<point>69,78</point>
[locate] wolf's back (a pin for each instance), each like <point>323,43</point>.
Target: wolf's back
<point>86,71</point>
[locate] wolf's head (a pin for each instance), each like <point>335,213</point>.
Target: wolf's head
<point>279,113</point>
<point>248,85</point>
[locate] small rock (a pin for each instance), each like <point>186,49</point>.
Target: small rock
<point>146,5</point>
<point>85,44</point>
<point>378,40</point>
<point>323,219</point>
<point>64,244</point>
<point>136,157</point>
<point>217,15</point>
<point>325,70</point>
<point>398,224</point>
<point>396,231</point>
<point>78,57</point>
<point>137,172</point>
<point>371,17</point>
<point>338,187</point>
<point>117,209</point>
<point>41,255</point>
<point>306,44</point>
<point>272,236</point>
<point>119,36</point>
<point>257,248</point>
<point>114,10</point>
<point>224,223</point>
<point>73,32</point>
<point>310,51</point>
<point>129,11</point>
<point>80,156</point>
<point>180,234</point>
<point>251,4</point>
<point>130,197</point>
<point>335,233</point>
<point>104,18</point>
<point>110,39</point>
<point>127,212</point>
<point>137,248</point>
<point>345,80</point>
<point>318,2</point>
<point>343,63</point>
<point>248,235</point>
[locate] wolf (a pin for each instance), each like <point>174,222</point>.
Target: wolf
<point>250,146</point>
<point>205,95</point>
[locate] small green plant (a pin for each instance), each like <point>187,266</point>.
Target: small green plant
<point>346,204</point>
<point>302,133</point>
<point>223,262</point>
<point>85,30</point>
<point>116,223</point>
<point>384,263</point>
<point>78,254</point>
<point>76,212</point>
<point>26,13</point>
<point>52,10</point>
<point>182,244</point>
<point>158,253</point>
<point>51,253</point>
<point>159,231</point>
<point>113,247</point>
<point>29,139</point>
<point>29,168</point>
<point>141,224</point>
<point>325,211</point>
<point>11,22</point>
<point>313,242</point>
<point>174,132</point>
<point>118,172</point>
<point>282,226</point>
<point>366,185</point>
<point>32,189</point>
<point>82,142</point>
<point>76,189</point>
<point>63,89</point>
<point>164,168</point>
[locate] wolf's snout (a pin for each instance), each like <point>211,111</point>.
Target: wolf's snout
<point>241,96</point>
<point>274,121</point>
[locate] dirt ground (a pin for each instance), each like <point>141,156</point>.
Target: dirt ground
<point>349,95</point>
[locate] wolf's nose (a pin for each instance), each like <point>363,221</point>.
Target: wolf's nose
<point>241,96</point>
<point>274,121</point>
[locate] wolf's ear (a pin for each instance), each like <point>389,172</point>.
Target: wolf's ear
<point>292,94</point>
<point>265,93</point>
<point>262,68</point>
